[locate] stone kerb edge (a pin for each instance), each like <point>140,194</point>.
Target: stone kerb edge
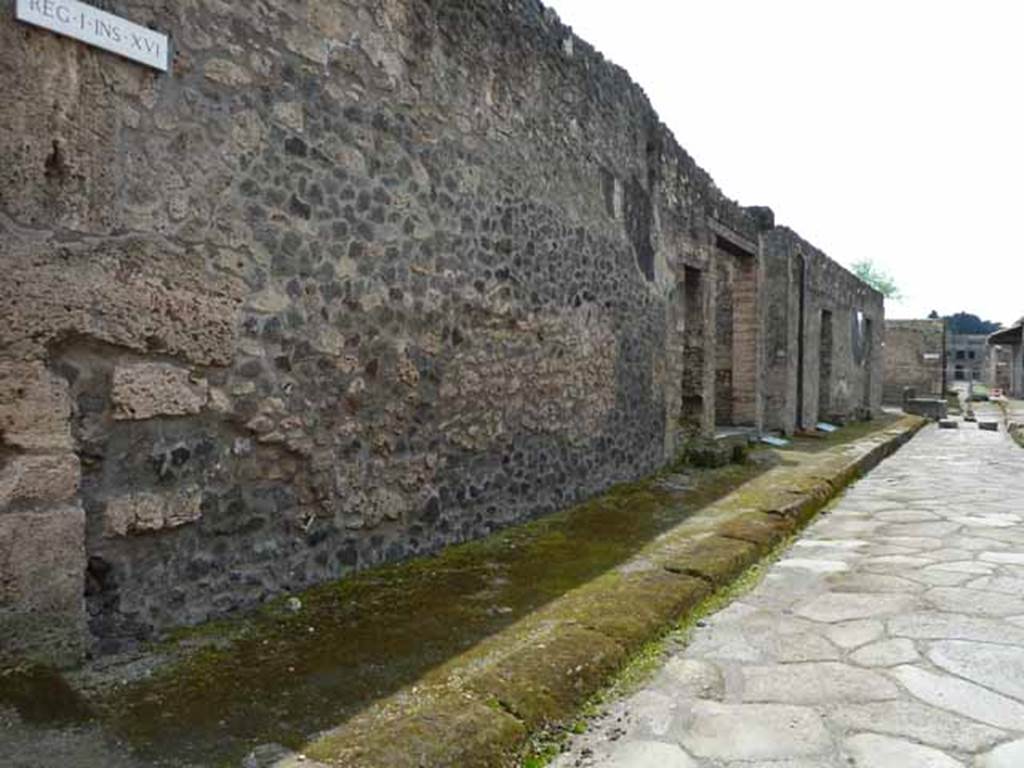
<point>483,715</point>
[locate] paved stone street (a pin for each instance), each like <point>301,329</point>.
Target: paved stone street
<point>891,634</point>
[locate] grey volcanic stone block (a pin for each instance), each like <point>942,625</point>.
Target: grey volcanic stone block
<point>930,408</point>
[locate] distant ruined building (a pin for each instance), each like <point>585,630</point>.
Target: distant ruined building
<point>967,357</point>
<point>915,359</point>
<point>353,282</point>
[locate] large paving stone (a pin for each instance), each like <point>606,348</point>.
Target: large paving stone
<point>912,542</point>
<point>962,566</point>
<point>990,520</point>
<point>1003,584</point>
<point>875,582</point>
<point>1013,571</point>
<point>754,732</point>
<point>971,601</point>
<point>999,667</point>
<point>695,678</point>
<point>850,546</point>
<point>906,516</point>
<point>1003,558</point>
<point>930,530</point>
<point>962,697</point>
<point>918,722</point>
<point>813,565</point>
<point>840,528</point>
<point>887,550</point>
<point>815,683</point>
<point>952,626</point>
<point>802,647</point>
<point>852,634</point>
<point>654,710</point>
<point>727,646</point>
<point>1005,756</point>
<point>887,653</point>
<point>836,607</point>
<point>974,543</point>
<point>650,754</point>
<point>895,563</point>
<point>940,578</point>
<point>948,555</point>
<point>869,750</point>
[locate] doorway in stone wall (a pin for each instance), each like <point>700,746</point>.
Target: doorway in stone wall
<point>825,366</point>
<point>723,343</point>
<point>736,324</point>
<point>867,343</point>
<point>801,277</point>
<point>691,411</point>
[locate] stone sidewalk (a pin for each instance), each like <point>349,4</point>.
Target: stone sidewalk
<point>891,634</point>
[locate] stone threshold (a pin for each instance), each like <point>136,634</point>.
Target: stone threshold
<point>479,709</point>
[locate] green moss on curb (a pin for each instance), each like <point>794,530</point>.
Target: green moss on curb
<point>546,670</point>
<point>713,559</point>
<point>442,729</point>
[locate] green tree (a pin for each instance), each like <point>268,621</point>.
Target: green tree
<point>965,322</point>
<point>877,279</point>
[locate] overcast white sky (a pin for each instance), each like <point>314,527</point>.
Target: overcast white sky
<point>891,130</point>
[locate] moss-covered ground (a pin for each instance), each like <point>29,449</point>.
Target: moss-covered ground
<point>474,613</point>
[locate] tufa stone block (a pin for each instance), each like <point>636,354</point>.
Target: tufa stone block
<point>42,567</point>
<point>145,390</point>
<point>35,409</point>
<point>29,478</point>
<point>138,513</point>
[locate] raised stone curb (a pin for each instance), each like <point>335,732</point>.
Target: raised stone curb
<point>478,709</point>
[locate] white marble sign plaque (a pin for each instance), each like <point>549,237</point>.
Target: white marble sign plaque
<point>98,28</point>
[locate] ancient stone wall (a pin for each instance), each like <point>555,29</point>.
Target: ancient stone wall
<point>352,282</point>
<point>824,331</point>
<point>913,358</point>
